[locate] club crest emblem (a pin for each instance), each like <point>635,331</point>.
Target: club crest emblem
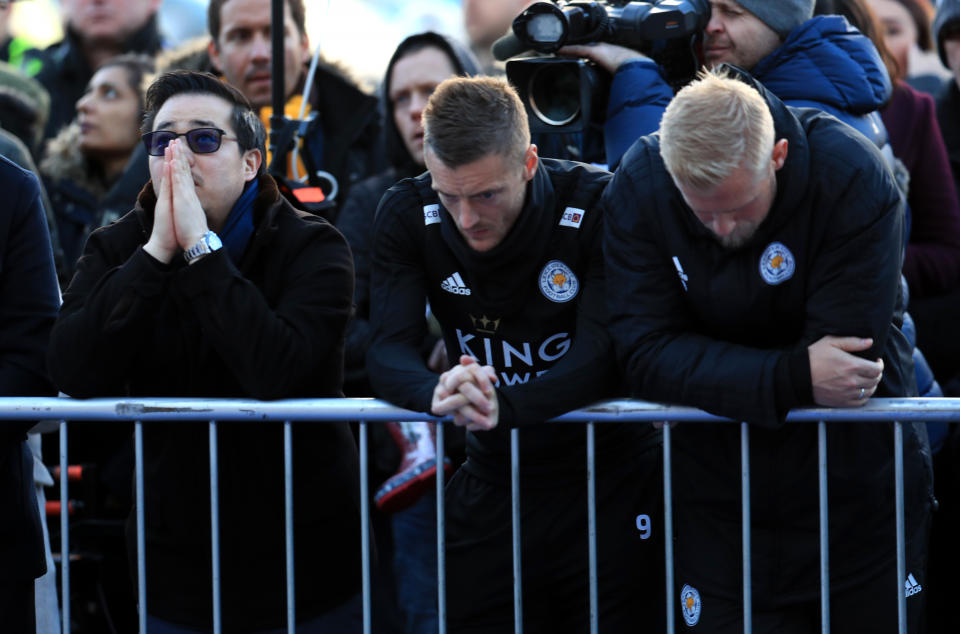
<point>777,264</point>
<point>558,283</point>
<point>690,605</point>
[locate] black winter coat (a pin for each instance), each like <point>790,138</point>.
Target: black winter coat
<point>270,326</point>
<point>29,298</point>
<point>727,330</point>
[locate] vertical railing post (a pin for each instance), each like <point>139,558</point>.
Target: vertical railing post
<point>515,515</point>
<point>668,524</point>
<point>824,529</point>
<point>365,527</point>
<point>288,524</point>
<point>745,520</point>
<point>441,536</point>
<point>592,528</point>
<point>215,528</point>
<point>64,529</point>
<point>141,528</point>
<point>901,530</point>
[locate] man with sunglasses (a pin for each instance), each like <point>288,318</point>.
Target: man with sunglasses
<point>214,286</point>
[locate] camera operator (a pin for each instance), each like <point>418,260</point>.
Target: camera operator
<point>819,62</point>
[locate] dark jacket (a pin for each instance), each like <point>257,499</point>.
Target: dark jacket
<point>81,200</point>
<point>502,307</point>
<point>65,72</point>
<point>727,330</point>
<point>355,219</point>
<point>29,299</point>
<point>824,63</point>
<point>269,326</point>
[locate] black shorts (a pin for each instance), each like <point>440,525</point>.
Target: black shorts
<point>555,553</point>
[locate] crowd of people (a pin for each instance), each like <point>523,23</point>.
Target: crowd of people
<point>781,231</point>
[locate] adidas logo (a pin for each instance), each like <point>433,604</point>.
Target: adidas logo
<point>911,587</point>
<point>454,284</point>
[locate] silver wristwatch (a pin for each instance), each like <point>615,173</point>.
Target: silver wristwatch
<point>208,243</point>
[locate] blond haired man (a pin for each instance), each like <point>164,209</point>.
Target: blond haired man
<point>505,245</point>
<point>755,251</point>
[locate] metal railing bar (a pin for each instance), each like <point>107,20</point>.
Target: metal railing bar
<point>824,529</point>
<point>441,535</point>
<point>515,524</point>
<point>901,531</point>
<point>215,529</point>
<point>592,528</point>
<point>288,525</point>
<point>346,409</point>
<point>141,528</point>
<point>365,527</point>
<point>64,529</point>
<point>668,525</point>
<point>745,520</point>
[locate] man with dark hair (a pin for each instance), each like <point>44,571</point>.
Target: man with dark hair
<point>505,247</point>
<point>341,144</point>
<point>96,30</point>
<point>755,251</point>
<point>214,286</point>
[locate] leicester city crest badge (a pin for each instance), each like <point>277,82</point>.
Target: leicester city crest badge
<point>777,264</point>
<point>690,605</point>
<point>558,283</point>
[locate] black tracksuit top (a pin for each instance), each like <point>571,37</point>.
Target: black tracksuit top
<point>532,307</point>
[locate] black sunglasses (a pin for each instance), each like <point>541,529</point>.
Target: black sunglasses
<point>200,140</point>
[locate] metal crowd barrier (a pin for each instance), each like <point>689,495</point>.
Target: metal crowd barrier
<point>898,411</point>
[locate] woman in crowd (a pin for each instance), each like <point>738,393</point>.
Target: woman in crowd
<point>905,28</point>
<point>93,169</point>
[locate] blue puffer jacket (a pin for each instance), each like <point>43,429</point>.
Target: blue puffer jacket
<point>824,63</point>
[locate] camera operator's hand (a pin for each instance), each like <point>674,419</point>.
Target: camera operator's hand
<point>608,56</point>
<point>467,391</point>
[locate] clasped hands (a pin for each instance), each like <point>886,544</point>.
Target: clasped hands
<point>178,219</point>
<point>467,392</point>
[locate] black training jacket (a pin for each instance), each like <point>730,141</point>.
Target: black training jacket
<point>727,330</point>
<point>532,307</point>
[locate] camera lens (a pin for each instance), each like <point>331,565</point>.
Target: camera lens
<point>554,91</point>
<point>545,28</point>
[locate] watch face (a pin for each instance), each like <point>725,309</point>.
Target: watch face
<point>213,241</point>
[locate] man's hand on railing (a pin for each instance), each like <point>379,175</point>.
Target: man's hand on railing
<point>467,392</point>
<point>840,378</point>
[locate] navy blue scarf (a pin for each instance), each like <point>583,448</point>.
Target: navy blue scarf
<point>239,225</point>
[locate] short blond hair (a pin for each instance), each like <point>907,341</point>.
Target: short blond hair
<point>467,118</point>
<point>713,126</point>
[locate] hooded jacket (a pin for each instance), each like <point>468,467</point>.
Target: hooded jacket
<point>355,219</point>
<point>268,326</point>
<point>727,330</point>
<point>824,63</point>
